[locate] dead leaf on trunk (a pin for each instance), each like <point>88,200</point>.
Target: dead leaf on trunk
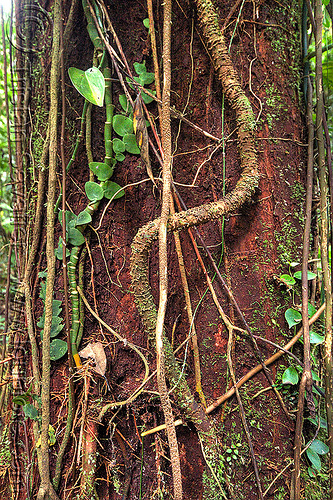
<point>96,352</point>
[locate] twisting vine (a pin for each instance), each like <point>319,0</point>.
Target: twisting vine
<point>46,489</point>
<point>243,191</point>
<point>163,254</point>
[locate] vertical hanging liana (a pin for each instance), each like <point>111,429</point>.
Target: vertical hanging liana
<point>324,223</point>
<point>46,490</point>
<point>163,255</point>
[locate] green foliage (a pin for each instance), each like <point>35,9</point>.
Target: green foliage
<point>122,125</point>
<point>111,188</point>
<point>90,84</point>
<point>24,400</point>
<point>316,449</point>
<point>93,191</point>
<point>102,171</point>
<point>290,376</point>
<point>130,144</point>
<point>57,347</point>
<point>293,317</point>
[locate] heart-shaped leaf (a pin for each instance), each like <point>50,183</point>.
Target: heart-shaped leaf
<point>30,411</point>
<point>90,84</point>
<point>311,275</point>
<point>122,125</point>
<point>84,217</point>
<point>146,98</point>
<point>101,170</point>
<point>293,317</point>
<point>140,67</point>
<point>111,188</point>
<point>311,309</point>
<point>120,157</point>
<point>319,447</point>
<point>290,376</point>
<point>315,338</point>
<point>94,191</point>
<point>314,459</point>
<point>118,145</point>
<point>75,237</point>
<point>58,250</point>
<point>145,78</point>
<point>287,280</point>
<point>127,107</point>
<point>58,349</point>
<point>69,218</point>
<point>130,144</point>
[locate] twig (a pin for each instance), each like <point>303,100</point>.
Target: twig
<point>127,344</point>
<point>242,412</point>
<point>196,356</point>
<point>269,361</point>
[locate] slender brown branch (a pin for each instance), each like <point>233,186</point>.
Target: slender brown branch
<point>268,362</point>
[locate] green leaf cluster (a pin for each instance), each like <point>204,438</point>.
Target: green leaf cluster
<point>24,400</point>
<point>316,449</point>
<point>58,348</point>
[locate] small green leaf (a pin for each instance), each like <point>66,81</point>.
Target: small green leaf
<point>315,376</point>
<point>290,376</point>
<point>110,188</point>
<point>56,327</point>
<point>21,399</point>
<point>146,22</point>
<point>83,218</point>
<point>56,307</point>
<point>293,317</point>
<point>120,157</point>
<point>58,349</point>
<point>323,422</point>
<point>127,107</point>
<point>314,459</point>
<point>140,67</point>
<point>94,191</point>
<point>90,84</point>
<point>30,411</point>
<point>69,218</point>
<point>146,98</point>
<point>319,447</point>
<point>146,78</point>
<point>58,250</point>
<point>287,280</point>
<point>122,125</point>
<point>75,237</point>
<point>311,472</point>
<point>315,338</point>
<point>101,170</point>
<point>311,309</point>
<point>118,145</point>
<point>130,144</point>
<point>311,275</point>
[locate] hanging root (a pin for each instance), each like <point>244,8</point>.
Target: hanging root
<point>242,192</point>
